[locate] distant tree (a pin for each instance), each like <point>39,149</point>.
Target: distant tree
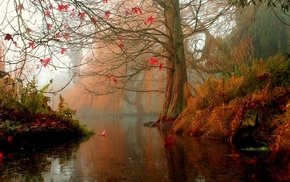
<point>268,30</point>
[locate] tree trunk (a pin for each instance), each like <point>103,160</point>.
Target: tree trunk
<point>176,74</point>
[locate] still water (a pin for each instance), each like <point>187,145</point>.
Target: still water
<point>131,152</point>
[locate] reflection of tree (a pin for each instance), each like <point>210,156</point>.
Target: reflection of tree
<point>193,159</point>
<point>35,163</point>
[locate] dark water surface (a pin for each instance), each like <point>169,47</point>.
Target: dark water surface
<point>131,152</point>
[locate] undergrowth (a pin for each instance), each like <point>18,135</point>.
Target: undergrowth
<point>251,103</point>
<point>25,115</point>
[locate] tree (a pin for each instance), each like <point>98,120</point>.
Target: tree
<point>268,30</point>
<point>283,3</point>
<point>123,38</point>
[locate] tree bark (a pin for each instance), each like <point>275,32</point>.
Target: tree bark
<point>176,74</point>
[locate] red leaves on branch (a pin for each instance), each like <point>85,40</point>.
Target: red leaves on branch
<point>45,62</point>
<point>82,15</point>
<point>62,50</point>
<point>107,14</point>
<point>49,7</point>
<point>160,66</point>
<point>94,20</point>
<point>149,20</point>
<point>114,80</point>
<point>153,61</point>
<point>121,46</point>
<point>49,26</point>
<point>20,7</point>
<point>62,7</point>
<point>8,37</point>
<point>28,30</point>
<point>137,10</point>
<point>47,13</point>
<point>31,44</point>
<point>66,36</point>
<point>58,35</point>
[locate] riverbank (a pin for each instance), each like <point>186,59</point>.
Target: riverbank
<point>248,107</point>
<point>26,118</point>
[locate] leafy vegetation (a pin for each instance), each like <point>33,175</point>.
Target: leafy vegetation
<point>249,106</point>
<point>26,117</point>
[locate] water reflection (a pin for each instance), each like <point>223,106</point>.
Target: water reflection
<point>131,152</point>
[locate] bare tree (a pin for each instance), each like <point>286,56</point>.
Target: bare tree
<point>121,39</point>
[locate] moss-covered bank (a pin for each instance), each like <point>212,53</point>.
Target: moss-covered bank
<point>249,106</point>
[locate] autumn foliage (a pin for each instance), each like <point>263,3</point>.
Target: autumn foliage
<point>250,106</point>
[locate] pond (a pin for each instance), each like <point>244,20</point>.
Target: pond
<point>131,152</point>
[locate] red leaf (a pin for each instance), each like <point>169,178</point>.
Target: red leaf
<point>94,20</point>
<point>82,15</point>
<point>153,61</point>
<point>62,50</point>
<point>20,7</point>
<point>114,80</point>
<point>104,133</point>
<point>160,66</point>
<point>121,46</point>
<point>149,20</point>
<point>72,14</point>
<point>31,44</point>
<point>49,26</point>
<point>1,155</point>
<point>8,37</point>
<point>105,1</point>
<point>137,10</point>
<point>28,30</point>
<point>58,35</point>
<point>62,7</point>
<point>66,36</point>
<point>47,13</point>
<point>15,43</point>
<point>45,62</point>
<point>107,14</point>
<point>120,38</point>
